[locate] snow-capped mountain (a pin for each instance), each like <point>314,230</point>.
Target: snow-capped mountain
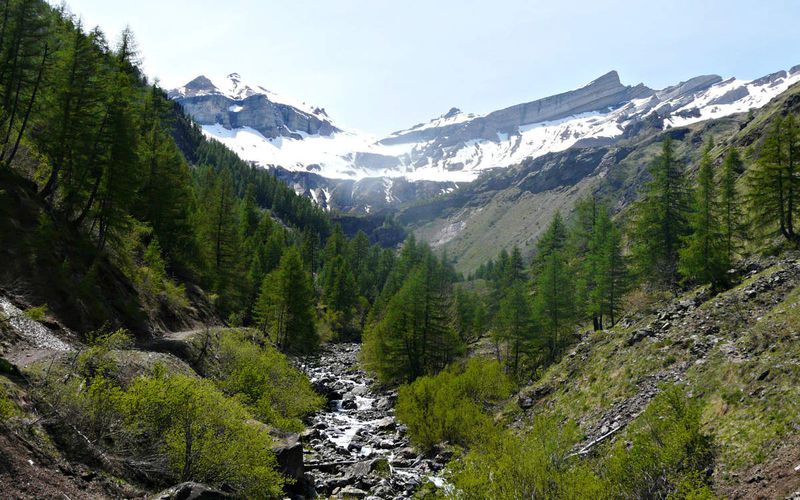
<point>272,130</point>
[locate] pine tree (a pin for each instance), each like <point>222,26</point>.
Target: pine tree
<point>165,199</point>
<point>219,230</point>
<point>660,220</point>
<point>613,276</point>
<point>339,293</point>
<point>24,57</point>
<point>586,241</point>
<point>414,335</point>
<point>702,259</point>
<point>284,310</point>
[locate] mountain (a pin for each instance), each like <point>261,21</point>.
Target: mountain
<point>512,206</point>
<point>456,147</point>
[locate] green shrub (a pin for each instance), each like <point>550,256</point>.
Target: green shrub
<point>7,407</point>
<point>36,313</point>
<point>277,392</point>
<point>450,406</point>
<point>205,436</point>
<point>668,450</point>
<point>537,465</point>
<point>96,360</point>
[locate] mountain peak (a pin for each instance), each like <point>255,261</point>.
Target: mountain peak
<point>612,77</point>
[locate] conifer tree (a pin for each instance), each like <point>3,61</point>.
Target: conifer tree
<point>731,213</point>
<point>660,220</point>
<point>554,299</point>
<point>612,269</point>
<point>284,310</point>
<point>702,259</point>
<point>413,335</point>
<point>515,325</point>
<point>774,181</point>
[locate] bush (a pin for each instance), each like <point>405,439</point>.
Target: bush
<point>538,465</point>
<point>205,436</point>
<point>668,450</point>
<point>7,407</point>
<point>277,392</point>
<point>96,360</point>
<point>450,406</point>
<point>170,427</point>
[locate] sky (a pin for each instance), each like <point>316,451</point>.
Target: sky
<point>381,65</point>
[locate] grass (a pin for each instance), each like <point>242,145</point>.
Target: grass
<point>750,419</point>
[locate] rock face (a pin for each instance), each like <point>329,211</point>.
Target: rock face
<point>356,448</point>
<point>289,453</point>
<point>234,105</point>
<point>455,148</point>
<point>601,94</point>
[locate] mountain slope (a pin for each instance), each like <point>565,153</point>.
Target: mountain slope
<point>457,147</point>
<point>512,206</point>
<point>736,352</point>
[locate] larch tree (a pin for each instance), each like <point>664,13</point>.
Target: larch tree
<point>702,258</point>
<point>660,220</point>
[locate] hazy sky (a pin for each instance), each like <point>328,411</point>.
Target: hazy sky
<point>380,65</point>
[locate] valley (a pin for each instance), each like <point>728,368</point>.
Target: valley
<point>217,291</point>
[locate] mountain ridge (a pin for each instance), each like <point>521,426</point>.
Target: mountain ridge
<point>456,147</point>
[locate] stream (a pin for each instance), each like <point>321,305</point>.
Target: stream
<point>355,447</point>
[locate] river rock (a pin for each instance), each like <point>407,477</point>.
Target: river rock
<point>190,491</point>
<point>289,453</point>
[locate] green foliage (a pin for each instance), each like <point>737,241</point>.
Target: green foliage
<point>450,406</point>
<point>37,313</point>
<point>515,326</point>
<point>668,451</point>
<point>284,310</point>
<point>411,334</point>
<point>95,360</point>
<point>536,465</point>
<point>268,384</point>
<point>731,214</point>
<point>660,220</point>
<point>7,407</point>
<point>554,301</point>
<point>774,182</point>
<point>205,436</point>
<point>703,257</point>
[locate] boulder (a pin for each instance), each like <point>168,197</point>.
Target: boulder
<point>639,335</point>
<point>190,491</point>
<point>289,452</point>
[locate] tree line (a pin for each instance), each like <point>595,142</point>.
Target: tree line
<point>674,236</point>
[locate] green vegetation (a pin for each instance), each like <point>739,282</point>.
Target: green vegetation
<point>275,391</point>
<point>409,333</point>
<point>451,406</point>
<point>537,465</point>
<point>703,258</point>
<point>204,435</point>
<point>661,220</point>
<point>668,451</point>
<point>774,183</point>
<point>284,310</point>
<point>178,426</point>
<point>668,455</point>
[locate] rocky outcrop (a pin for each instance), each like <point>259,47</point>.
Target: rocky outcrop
<point>190,491</point>
<point>601,94</point>
<point>244,106</point>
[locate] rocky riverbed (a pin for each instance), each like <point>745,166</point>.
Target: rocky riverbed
<point>355,447</point>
